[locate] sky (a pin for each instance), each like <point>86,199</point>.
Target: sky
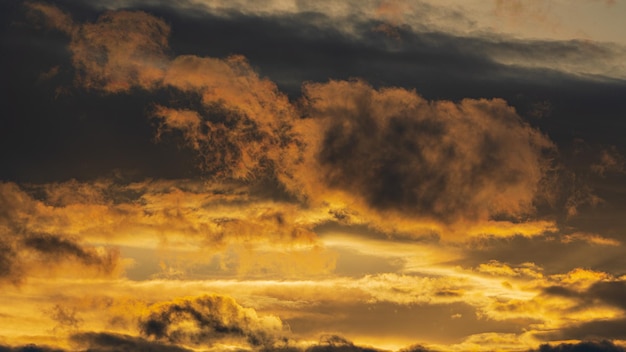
<point>309,176</point>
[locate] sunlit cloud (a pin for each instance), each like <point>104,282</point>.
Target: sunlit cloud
<point>350,214</point>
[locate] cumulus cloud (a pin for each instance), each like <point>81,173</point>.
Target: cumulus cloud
<point>202,321</point>
<point>474,159</point>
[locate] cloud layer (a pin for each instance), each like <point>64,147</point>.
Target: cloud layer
<point>386,149</point>
<point>203,175</point>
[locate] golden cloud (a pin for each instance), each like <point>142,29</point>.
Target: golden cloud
<point>345,144</point>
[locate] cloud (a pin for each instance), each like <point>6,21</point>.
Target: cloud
<point>590,238</point>
<point>384,161</point>
<point>473,160</point>
<point>584,346</point>
<point>52,16</point>
<point>494,267</point>
<point>29,251</point>
<point>416,348</point>
<point>592,293</point>
<point>378,149</point>
<point>202,321</point>
<point>335,343</point>
<point>111,342</point>
<point>186,224</point>
<point>29,348</point>
<point>65,317</point>
<point>122,49</point>
<point>56,248</point>
<point>243,126</point>
<point>611,292</point>
<point>610,161</point>
<point>598,329</point>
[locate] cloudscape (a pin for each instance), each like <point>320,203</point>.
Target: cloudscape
<point>286,175</point>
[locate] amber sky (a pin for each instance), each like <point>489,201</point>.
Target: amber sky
<point>291,175</point>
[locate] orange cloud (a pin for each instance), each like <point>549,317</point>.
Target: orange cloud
<point>52,16</point>
<point>205,320</point>
<point>591,238</point>
<point>447,161</point>
<point>392,10</point>
<point>381,153</point>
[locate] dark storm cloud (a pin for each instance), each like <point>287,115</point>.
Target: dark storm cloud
<point>110,342</point>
